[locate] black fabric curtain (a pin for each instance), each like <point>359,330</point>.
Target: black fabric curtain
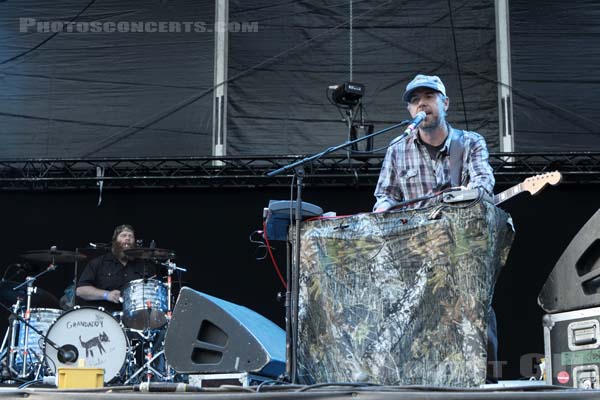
<point>303,47</point>
<point>108,88</point>
<point>120,93</point>
<point>105,88</point>
<point>555,68</point>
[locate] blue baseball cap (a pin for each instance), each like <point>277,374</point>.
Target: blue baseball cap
<point>429,81</point>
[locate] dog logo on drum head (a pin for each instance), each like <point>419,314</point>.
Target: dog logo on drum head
<point>94,342</point>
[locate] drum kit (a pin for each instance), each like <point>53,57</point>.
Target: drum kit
<point>128,345</point>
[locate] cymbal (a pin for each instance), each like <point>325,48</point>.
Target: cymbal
<point>53,255</point>
<point>92,252</point>
<point>146,253</point>
<point>41,298</point>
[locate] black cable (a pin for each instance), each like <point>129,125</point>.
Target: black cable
<point>462,92</point>
<point>336,384</point>
<point>269,383</point>
<point>261,244</point>
<point>49,359</point>
<point>43,42</point>
<point>29,383</point>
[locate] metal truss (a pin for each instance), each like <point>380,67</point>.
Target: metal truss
<point>249,171</point>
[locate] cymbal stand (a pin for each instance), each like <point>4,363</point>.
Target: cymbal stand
<point>30,291</point>
<point>171,267</point>
<point>7,331</point>
<point>8,351</point>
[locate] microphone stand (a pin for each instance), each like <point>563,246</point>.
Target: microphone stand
<point>293,276</point>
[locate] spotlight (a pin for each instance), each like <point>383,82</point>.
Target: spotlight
<point>348,93</point>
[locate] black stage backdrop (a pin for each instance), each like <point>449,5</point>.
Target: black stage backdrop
<point>555,61</point>
<point>210,232</point>
<point>109,93</point>
<point>281,107</point>
<point>120,93</point>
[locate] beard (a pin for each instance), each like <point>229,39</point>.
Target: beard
<point>432,124</point>
<point>118,250</point>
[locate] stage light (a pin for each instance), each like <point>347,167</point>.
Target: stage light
<point>348,93</point>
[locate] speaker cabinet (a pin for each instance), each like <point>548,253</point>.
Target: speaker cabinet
<point>211,335</point>
<point>574,283</point>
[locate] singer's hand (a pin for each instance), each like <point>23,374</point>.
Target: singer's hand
<point>114,296</point>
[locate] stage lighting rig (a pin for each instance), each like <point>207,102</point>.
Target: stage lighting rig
<point>347,94</point>
<point>348,97</point>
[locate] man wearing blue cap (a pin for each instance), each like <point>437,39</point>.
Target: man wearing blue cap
<point>433,157</point>
<point>418,167</point>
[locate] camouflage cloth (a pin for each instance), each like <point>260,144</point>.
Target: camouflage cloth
<point>400,298</point>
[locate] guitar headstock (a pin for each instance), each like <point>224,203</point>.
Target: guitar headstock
<point>536,183</point>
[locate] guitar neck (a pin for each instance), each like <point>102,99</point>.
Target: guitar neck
<point>507,194</point>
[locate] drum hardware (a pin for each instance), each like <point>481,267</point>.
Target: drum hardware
<point>153,366</point>
<point>42,319</point>
<point>30,291</point>
<point>22,347</point>
<point>153,351</point>
<point>153,374</point>
<point>8,353</point>
<point>171,267</point>
<point>10,295</point>
<point>52,256</point>
<point>150,254</point>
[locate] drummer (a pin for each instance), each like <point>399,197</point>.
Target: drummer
<point>104,277</point>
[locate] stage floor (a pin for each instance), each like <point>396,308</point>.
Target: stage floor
<point>503,390</point>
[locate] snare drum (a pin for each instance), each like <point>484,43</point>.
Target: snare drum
<point>41,319</point>
<point>145,304</point>
<point>99,339</point>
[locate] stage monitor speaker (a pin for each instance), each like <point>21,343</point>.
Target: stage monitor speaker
<point>574,283</point>
<point>210,335</point>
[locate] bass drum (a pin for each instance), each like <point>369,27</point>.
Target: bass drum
<point>98,337</point>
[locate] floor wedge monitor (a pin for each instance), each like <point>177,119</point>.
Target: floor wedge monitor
<point>574,283</point>
<point>211,335</point>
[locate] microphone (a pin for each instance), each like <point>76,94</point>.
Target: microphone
<point>67,354</point>
<point>415,122</point>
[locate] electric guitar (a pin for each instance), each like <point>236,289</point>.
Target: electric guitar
<point>531,185</point>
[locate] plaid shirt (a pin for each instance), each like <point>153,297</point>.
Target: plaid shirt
<point>408,172</point>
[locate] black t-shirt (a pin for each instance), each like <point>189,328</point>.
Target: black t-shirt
<point>107,273</point>
<point>433,150</point>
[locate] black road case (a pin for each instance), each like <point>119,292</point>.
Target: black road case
<point>572,348</point>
